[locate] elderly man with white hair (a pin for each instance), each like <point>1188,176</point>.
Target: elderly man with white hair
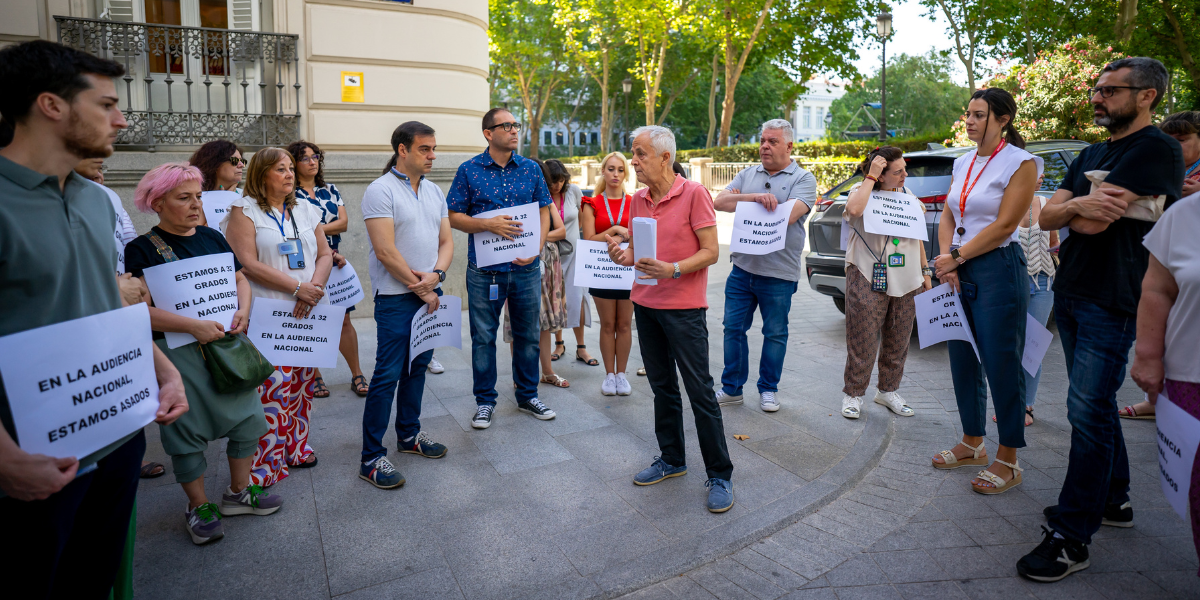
<point>764,280</point>
<point>670,315</point>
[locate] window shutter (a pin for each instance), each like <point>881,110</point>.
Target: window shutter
<point>243,15</point>
<point>118,10</point>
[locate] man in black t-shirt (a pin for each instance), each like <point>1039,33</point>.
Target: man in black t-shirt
<point>1096,293</point>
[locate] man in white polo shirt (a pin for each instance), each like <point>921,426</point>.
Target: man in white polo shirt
<point>768,280</point>
<point>409,232</point>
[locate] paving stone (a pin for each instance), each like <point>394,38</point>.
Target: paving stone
<point>1183,584</point>
<point>590,548</point>
<point>717,584</point>
<point>761,587</point>
<point>434,583</point>
<point>1123,586</point>
<point>995,530</point>
<point>930,591</point>
<point>908,566</point>
<point>685,587</point>
<point>812,594</point>
<point>804,455</point>
<point>772,571</point>
<point>971,562</point>
<point>870,592</point>
<point>939,534</point>
<point>858,570</point>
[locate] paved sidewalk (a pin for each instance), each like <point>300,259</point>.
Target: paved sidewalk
<point>826,507</point>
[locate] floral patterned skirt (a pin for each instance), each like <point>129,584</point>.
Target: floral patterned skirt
<point>553,311</point>
<point>287,399</point>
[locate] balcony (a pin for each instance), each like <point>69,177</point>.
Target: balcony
<point>184,86</point>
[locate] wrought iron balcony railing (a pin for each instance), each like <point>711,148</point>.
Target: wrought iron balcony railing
<point>197,84</point>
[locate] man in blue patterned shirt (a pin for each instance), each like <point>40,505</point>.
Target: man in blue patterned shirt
<point>496,179</point>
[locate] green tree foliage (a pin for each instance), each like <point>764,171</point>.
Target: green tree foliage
<point>922,96</point>
<point>760,97</point>
<point>527,60</point>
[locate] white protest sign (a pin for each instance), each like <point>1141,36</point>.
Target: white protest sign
<point>845,238</point>
<point>1178,436</point>
<point>757,230</point>
<point>940,318</point>
<point>441,328</point>
<point>77,386</point>
<point>1037,342</point>
<point>594,269</point>
<point>203,288</point>
<point>216,205</point>
<point>284,340</point>
<point>645,244</point>
<point>491,249</point>
<point>895,214</point>
<point>344,288</point>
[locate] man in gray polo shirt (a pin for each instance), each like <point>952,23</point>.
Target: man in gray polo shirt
<point>408,227</point>
<point>765,281</point>
<point>66,520</point>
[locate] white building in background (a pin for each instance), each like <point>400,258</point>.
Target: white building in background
<point>809,118</point>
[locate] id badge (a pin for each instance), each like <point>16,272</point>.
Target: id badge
<point>896,260</point>
<point>493,292</point>
<point>294,252</point>
<point>879,278</point>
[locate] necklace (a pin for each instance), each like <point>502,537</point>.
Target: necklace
<point>966,191</point>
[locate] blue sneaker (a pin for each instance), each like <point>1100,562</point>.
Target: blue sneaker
<point>658,471</point>
<point>720,495</point>
<point>381,474</point>
<point>423,445</point>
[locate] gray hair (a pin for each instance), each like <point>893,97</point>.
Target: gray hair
<point>1146,73</point>
<point>661,139</point>
<point>781,125</point>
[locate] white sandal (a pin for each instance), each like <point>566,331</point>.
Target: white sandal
<point>994,479</point>
<point>978,458</point>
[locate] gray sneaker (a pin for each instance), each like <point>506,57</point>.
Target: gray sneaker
<point>724,399</point>
<point>253,500</point>
<point>204,524</point>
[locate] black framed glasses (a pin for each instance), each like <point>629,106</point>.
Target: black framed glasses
<point>507,126</point>
<point>1107,91</point>
<point>237,161</point>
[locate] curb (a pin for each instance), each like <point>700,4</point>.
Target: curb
<point>726,539</point>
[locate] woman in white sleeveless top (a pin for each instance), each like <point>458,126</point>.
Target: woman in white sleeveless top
<point>988,198</point>
<point>255,226</point>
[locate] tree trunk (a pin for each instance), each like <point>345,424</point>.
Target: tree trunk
<point>712,104</point>
<point>733,70</point>
<point>1126,15</point>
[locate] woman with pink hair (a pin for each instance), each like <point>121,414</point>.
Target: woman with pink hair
<point>172,190</point>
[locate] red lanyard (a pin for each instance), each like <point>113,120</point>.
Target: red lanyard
<point>966,191</point>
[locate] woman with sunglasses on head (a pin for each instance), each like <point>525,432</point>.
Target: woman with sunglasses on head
<point>222,165</point>
<point>984,263</point>
<point>325,197</point>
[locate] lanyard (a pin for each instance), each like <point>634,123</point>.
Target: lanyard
<point>1191,169</point>
<point>280,225</point>
<point>966,191</point>
<point>620,211</point>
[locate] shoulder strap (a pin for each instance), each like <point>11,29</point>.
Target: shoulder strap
<point>163,249</point>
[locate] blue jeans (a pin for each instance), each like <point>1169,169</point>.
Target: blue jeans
<point>1096,343</point>
<point>522,289</point>
<point>393,325</point>
<point>1041,300</point>
<point>773,296</point>
<point>995,298</point>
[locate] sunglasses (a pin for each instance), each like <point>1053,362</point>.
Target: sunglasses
<point>237,161</point>
<point>507,126</point>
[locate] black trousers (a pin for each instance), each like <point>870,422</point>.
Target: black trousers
<point>70,544</point>
<point>679,338</point>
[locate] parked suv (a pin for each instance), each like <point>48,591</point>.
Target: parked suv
<point>929,176</point>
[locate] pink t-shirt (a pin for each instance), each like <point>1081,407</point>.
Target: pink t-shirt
<point>686,208</point>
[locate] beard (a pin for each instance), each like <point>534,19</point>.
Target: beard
<point>84,140</point>
<point>1119,120</point>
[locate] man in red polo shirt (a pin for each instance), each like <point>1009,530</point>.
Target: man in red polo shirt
<point>672,329</point>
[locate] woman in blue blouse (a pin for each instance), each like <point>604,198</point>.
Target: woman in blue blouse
<point>311,186</point>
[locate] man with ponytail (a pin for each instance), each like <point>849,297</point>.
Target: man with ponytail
<point>1096,294</point>
<point>408,230</point>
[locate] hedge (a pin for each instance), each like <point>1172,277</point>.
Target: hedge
<point>823,150</point>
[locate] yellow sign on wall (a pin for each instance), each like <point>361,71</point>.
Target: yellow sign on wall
<point>352,87</point>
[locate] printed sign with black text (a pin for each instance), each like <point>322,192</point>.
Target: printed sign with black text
<point>284,340</point>
<point>203,288</point>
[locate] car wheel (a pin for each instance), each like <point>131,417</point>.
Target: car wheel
<point>840,303</point>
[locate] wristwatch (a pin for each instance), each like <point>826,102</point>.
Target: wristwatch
<point>441,275</point>
<point>957,257</point>
<point>927,272</point>
<point>677,273</point>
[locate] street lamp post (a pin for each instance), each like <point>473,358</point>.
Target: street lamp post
<point>626,86</point>
<point>883,26</point>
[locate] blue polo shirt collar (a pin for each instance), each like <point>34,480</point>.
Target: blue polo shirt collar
<point>791,168</point>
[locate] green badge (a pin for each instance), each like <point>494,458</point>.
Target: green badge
<point>896,260</point>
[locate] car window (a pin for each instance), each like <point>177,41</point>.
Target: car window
<point>919,167</point>
<point>843,188</point>
<point>1054,171</point>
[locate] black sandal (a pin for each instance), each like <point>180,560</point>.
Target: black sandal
<point>359,384</point>
<point>591,362</point>
<point>557,355</point>
<point>320,391</point>
<point>151,470</point>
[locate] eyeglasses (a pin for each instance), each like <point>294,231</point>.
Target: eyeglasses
<point>507,126</point>
<point>237,161</point>
<point>313,158</point>
<point>1107,91</point>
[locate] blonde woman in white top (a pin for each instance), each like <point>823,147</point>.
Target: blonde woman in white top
<point>988,199</point>
<point>879,311</point>
<point>255,226</point>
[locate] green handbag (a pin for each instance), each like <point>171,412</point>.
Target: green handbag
<point>235,364</point>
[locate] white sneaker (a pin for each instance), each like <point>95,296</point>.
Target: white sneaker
<point>609,387</point>
<point>852,407</point>
<point>436,367</point>
<point>768,402</point>
<point>623,387</point>
<point>895,403</point>
<point>724,399</point>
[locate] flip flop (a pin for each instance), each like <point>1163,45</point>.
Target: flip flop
<point>591,362</point>
<point>320,391</point>
<point>1129,413</point>
<point>557,355</point>
<point>151,470</point>
<point>306,465</point>
<point>359,385</point>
